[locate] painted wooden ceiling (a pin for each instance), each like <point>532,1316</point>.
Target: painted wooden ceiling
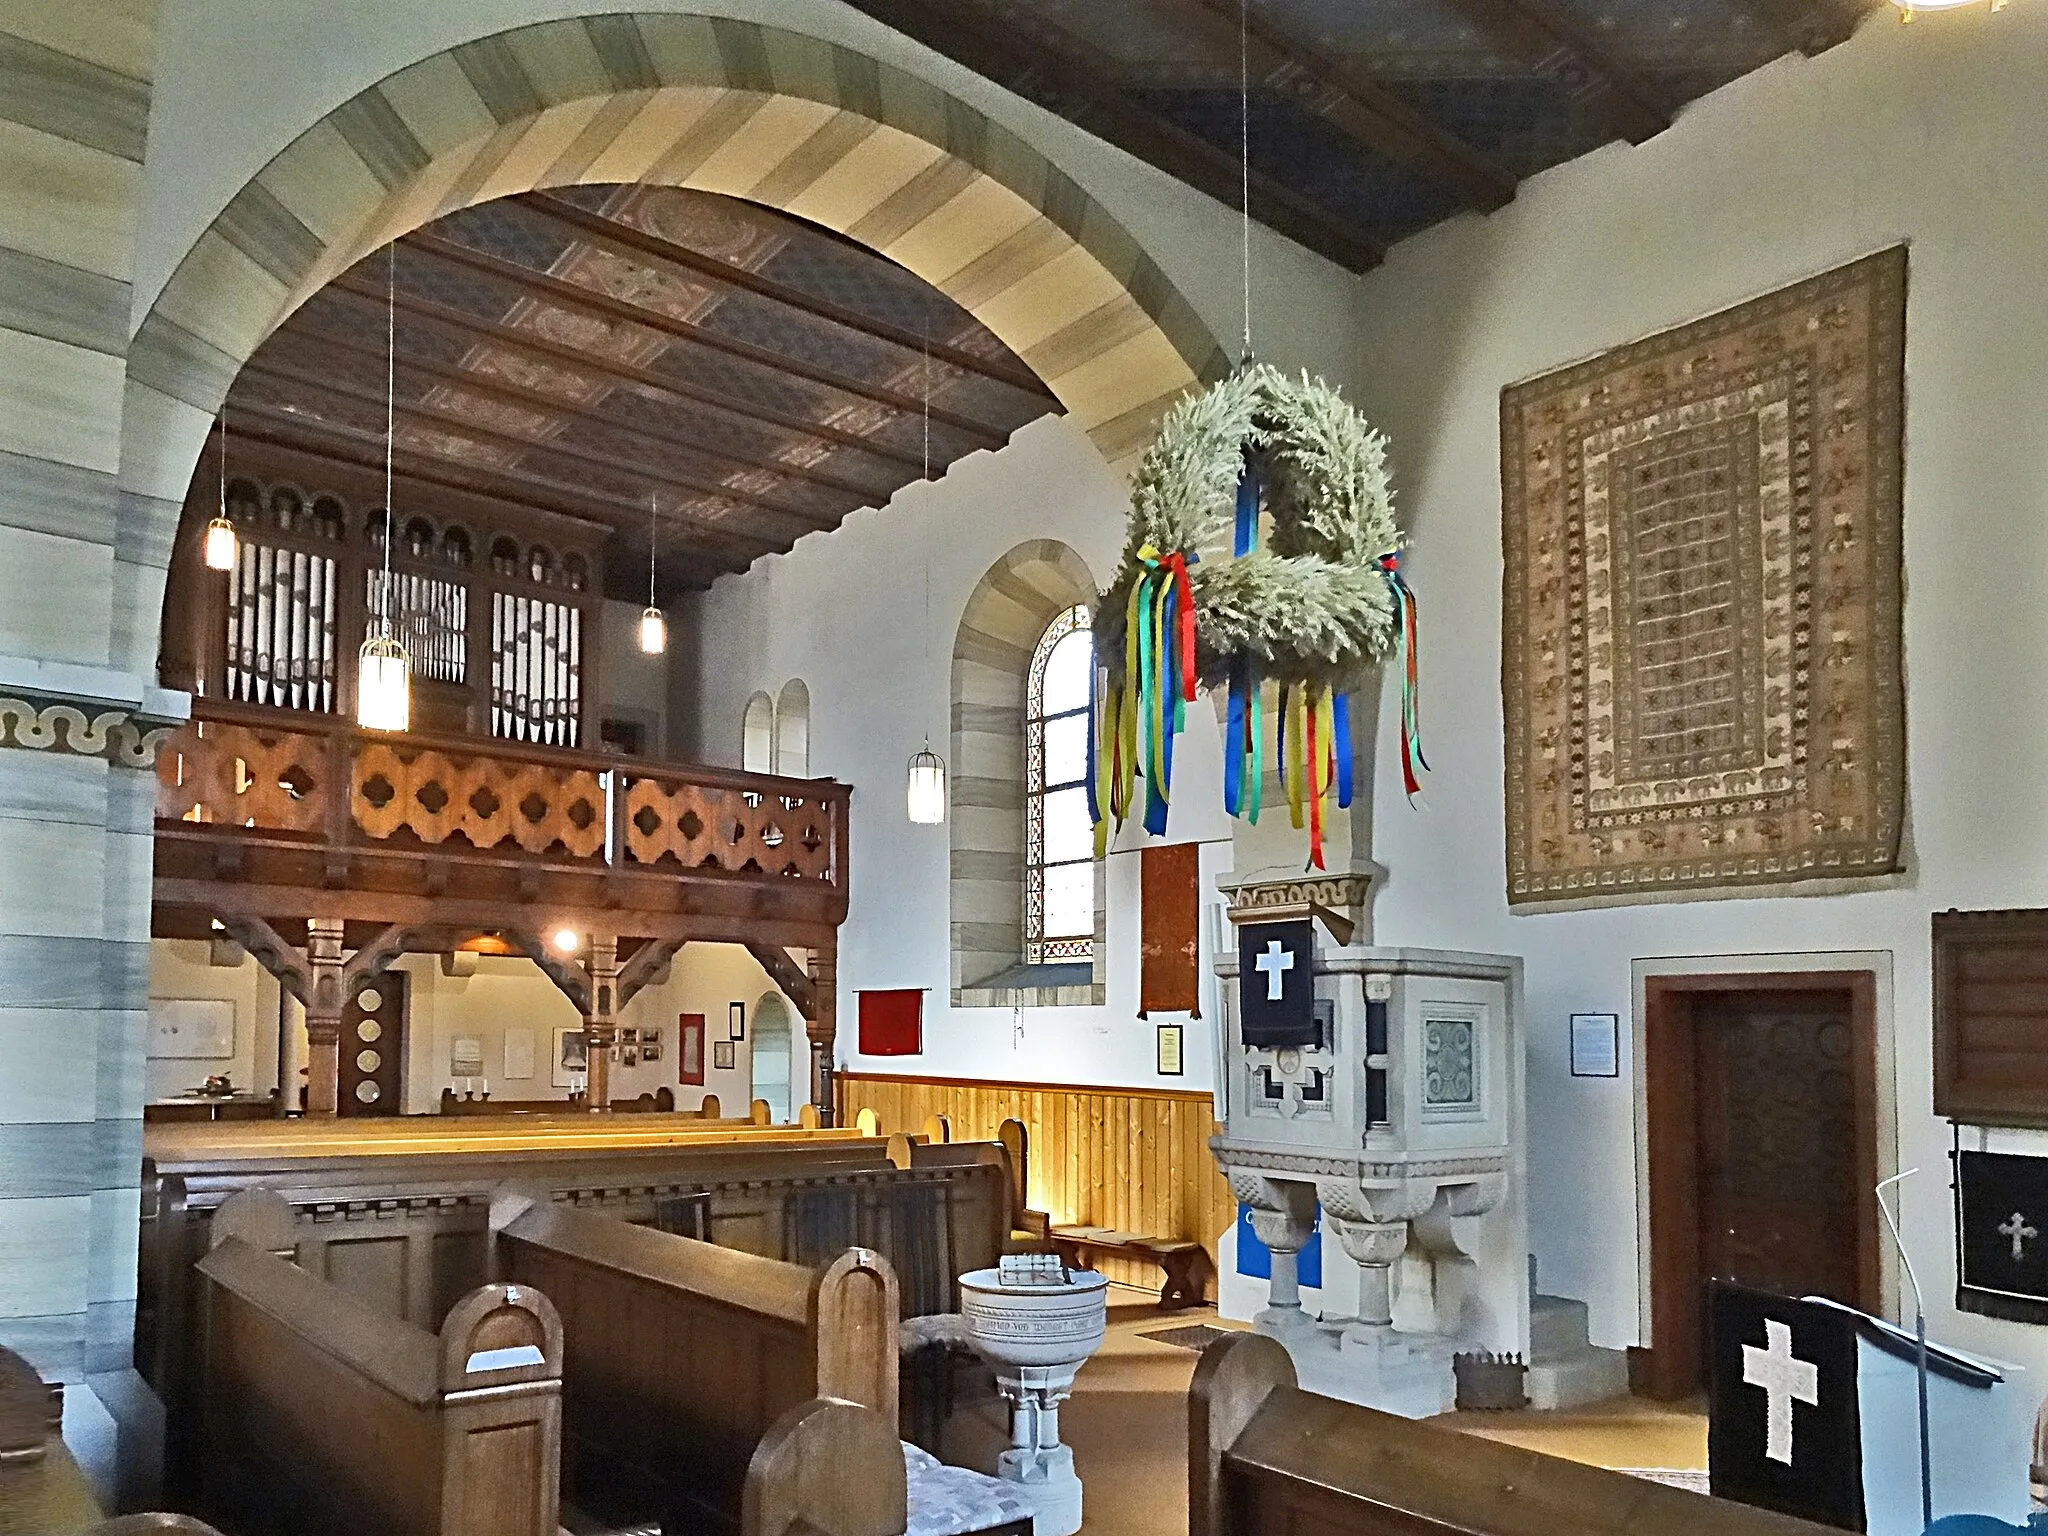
<point>1368,119</point>
<point>594,350</point>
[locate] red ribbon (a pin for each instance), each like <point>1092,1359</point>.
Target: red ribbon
<point>1312,760</point>
<point>1177,564</point>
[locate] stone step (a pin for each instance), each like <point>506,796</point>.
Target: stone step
<point>1591,1376</point>
<point>1557,1328</point>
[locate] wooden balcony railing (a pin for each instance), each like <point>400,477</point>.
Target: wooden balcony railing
<point>283,799</point>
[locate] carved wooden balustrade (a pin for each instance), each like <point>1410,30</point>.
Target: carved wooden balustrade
<point>261,812</point>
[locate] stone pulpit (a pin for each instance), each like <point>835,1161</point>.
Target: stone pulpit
<point>1382,1087</point>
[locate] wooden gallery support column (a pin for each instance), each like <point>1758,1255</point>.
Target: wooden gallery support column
<point>326,998</point>
<point>823,1024</point>
<point>601,1020</point>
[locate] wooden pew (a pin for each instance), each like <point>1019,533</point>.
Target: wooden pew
<point>311,1412</point>
<point>406,1229</point>
<point>683,1358</point>
<point>1266,1458</point>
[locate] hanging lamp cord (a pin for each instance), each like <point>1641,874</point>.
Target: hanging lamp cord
<point>1244,168</point>
<point>651,536</point>
<point>386,619</point>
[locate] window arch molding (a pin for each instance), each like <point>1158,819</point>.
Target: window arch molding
<point>1005,617</point>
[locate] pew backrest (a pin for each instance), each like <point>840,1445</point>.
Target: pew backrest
<point>318,1414</point>
<point>681,1355</point>
<point>1263,1455</point>
<point>798,1482</point>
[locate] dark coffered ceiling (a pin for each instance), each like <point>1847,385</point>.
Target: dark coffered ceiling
<point>586,350</point>
<point>1369,119</point>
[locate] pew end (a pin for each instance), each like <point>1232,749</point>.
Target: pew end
<point>1232,1382</point>
<point>261,1217</point>
<point>796,1483</point>
<point>761,1112</point>
<point>938,1129</point>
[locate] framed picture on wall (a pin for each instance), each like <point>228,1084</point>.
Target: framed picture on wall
<point>690,1049</point>
<point>629,1037</point>
<point>649,1052</point>
<point>196,1029</point>
<point>1167,1051</point>
<point>571,1059</point>
<point>629,1055</point>
<point>1596,1045</point>
<point>722,1055</point>
<point>735,1021</point>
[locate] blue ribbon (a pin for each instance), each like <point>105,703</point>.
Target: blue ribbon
<point>1246,533</point>
<point>1340,711</point>
<point>1233,735</point>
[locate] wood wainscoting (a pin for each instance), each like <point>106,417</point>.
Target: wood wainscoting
<point>1136,1159</point>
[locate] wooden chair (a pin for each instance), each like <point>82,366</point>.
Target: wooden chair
<point>1265,1456</point>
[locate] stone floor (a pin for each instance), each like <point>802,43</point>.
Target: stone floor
<point>1127,1423</point>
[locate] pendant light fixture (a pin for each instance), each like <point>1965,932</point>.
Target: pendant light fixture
<point>653,623</point>
<point>925,798</point>
<point>222,548</point>
<point>1909,8</point>
<point>383,670</point>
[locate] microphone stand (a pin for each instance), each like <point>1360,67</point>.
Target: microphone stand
<point>1920,1341</point>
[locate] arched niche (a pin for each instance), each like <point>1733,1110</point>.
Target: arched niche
<point>793,730</point>
<point>757,735</point>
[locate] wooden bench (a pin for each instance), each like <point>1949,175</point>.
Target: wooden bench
<point>315,1415</point>
<point>1265,1457</point>
<point>1185,1262</point>
<point>708,1387</point>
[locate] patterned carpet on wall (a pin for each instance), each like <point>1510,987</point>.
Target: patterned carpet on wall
<point>1700,635</point>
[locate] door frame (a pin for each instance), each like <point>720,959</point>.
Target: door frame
<point>1669,1364</point>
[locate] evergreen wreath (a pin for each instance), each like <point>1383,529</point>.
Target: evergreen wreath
<point>1314,605</point>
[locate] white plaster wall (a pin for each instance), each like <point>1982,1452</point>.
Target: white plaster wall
<point>184,968</point>
<point>847,614</point>
<point>510,992</point>
<point>238,80</point>
<point>631,683</point>
<point>1932,134</point>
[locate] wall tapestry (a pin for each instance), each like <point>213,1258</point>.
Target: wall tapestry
<point>1169,948</point>
<point>1701,602</point>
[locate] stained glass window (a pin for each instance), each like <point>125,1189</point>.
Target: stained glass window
<point>1059,883</point>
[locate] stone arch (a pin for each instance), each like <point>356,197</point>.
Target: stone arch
<point>867,149</point>
<point>1007,612</point>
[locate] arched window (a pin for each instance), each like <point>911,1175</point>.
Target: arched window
<point>1059,842</point>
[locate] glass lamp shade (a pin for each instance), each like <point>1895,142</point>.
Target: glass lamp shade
<point>927,793</point>
<point>383,685</point>
<point>221,545</point>
<point>653,631</point>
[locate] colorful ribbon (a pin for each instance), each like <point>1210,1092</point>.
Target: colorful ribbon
<point>1413,763</point>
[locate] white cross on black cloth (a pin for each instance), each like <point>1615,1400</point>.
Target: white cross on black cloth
<point>1276,990</point>
<point>1784,1427</point>
<point>2001,1200</point>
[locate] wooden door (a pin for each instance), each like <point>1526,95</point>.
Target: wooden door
<point>1761,1097</point>
<point>373,1047</point>
<point>1777,1173</point>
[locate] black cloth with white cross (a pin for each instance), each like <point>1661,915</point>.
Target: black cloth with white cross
<point>2002,1252</point>
<point>1276,987</point>
<point>1784,1425</point>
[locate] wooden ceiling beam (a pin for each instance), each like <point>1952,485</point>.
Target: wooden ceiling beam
<point>291,430</point>
<point>637,244</point>
<point>264,366</point>
<point>539,348</point>
<point>989,47</point>
<point>1373,117</point>
<point>1561,49</point>
<point>533,399</point>
<point>589,301</point>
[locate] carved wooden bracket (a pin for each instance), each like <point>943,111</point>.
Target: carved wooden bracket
<point>568,976</point>
<point>792,978</point>
<point>648,962</point>
<point>284,962</point>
